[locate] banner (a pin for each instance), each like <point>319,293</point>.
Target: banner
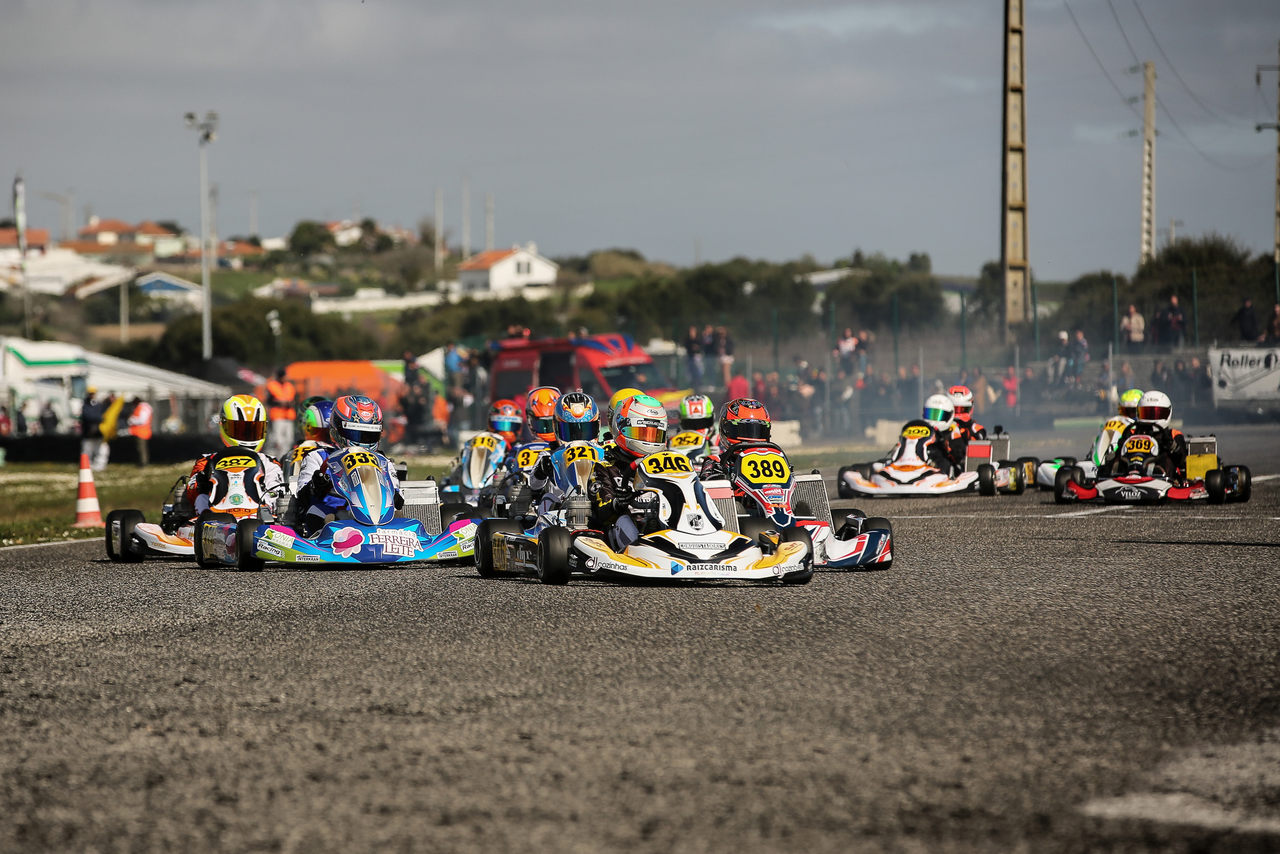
<point>1246,373</point>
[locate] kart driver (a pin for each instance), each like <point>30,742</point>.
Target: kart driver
<point>539,413</point>
<point>314,419</point>
<point>1107,443</point>
<point>1154,412</point>
<point>964,428</point>
<point>937,448</point>
<point>356,422</point>
<point>639,428</point>
<point>243,426</point>
<point>505,420</point>
<point>743,422</point>
<point>698,413</point>
<point>576,419</point>
<point>615,400</point>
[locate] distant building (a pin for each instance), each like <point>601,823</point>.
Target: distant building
<point>171,289</point>
<point>506,272</point>
<point>37,239</point>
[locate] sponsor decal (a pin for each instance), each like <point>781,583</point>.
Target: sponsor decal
<point>395,542</point>
<point>268,549</point>
<point>677,568</point>
<point>347,541</point>
<point>307,559</point>
<point>236,499</point>
<point>695,547</point>
<point>279,537</point>
<point>1129,493</point>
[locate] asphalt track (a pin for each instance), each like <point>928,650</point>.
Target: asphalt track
<point>1027,677</point>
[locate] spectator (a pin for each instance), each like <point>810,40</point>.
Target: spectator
<point>48,419</point>
<point>1134,327</point>
<point>1160,375</point>
<point>91,412</point>
<point>140,415</point>
<point>1180,381</point>
<point>1030,390</point>
<point>724,349</point>
<point>1176,322</point>
<point>983,394</point>
<point>758,387</point>
<point>440,418</point>
<point>1246,323</point>
<point>282,398</point>
<point>6,424</point>
<point>1272,335</point>
<point>846,350</point>
<point>1125,380</point>
<point>1010,384</point>
<point>1060,360</point>
<point>1078,357</point>
<point>20,420</point>
<point>693,355</point>
<point>1201,382</point>
<point>1106,387</point>
<point>454,365</point>
<point>411,375</point>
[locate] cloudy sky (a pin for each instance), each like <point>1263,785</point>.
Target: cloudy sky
<point>710,128</point>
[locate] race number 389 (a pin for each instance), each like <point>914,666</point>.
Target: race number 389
<point>765,468</point>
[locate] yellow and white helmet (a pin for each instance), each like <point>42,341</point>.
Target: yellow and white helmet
<point>244,422</point>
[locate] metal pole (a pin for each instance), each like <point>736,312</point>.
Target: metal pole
<point>1115,313</point>
<point>124,312</point>
<point>206,324</point>
<point>1035,318</point>
<point>1017,375</point>
<point>896,363</point>
<point>776,365</point>
<point>920,379</point>
<point>964,349</point>
<point>1195,307</point>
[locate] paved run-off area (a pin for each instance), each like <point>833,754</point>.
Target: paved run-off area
<point>1027,677</point>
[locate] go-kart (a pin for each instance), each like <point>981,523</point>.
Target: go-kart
<point>773,496</point>
<point>694,444</point>
<point>1144,482</point>
<point>903,472</point>
<point>1104,446</point>
<point>478,473</point>
<point>373,529</point>
<point>237,493</point>
<point>683,539</point>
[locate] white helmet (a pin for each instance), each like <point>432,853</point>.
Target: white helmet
<point>640,425</point>
<point>1155,407</point>
<point>939,411</point>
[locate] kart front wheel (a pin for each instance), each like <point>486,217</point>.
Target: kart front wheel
<point>246,559</point>
<point>553,555</point>
<point>1215,483</point>
<point>987,479</point>
<point>796,534</point>
<point>1060,488</point>
<point>1244,484</point>
<point>112,553</point>
<point>197,536</point>
<point>484,543</point>
<point>127,550</point>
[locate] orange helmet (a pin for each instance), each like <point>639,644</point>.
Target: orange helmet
<point>505,419</point>
<point>744,420</point>
<point>539,411</point>
<point>962,397</point>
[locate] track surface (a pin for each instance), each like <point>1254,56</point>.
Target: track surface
<point>1027,677</point>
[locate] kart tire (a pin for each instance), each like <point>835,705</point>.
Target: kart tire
<point>484,542</point>
<point>1065,473</point>
<point>112,554</point>
<point>553,555</point>
<point>987,479</point>
<point>796,534</point>
<point>752,527</point>
<point>457,510</point>
<point>129,552</point>
<point>1029,466</point>
<point>1215,482</point>
<point>246,560</point>
<point>1019,478</point>
<point>1244,484</point>
<point>1068,461</point>
<point>842,488</point>
<point>802,510</point>
<point>197,540</point>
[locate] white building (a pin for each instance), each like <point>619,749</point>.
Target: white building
<point>506,272</point>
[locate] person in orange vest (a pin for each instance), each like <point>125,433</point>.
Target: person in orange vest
<point>140,428</point>
<point>281,400</point>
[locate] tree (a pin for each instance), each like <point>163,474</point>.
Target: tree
<point>310,238</point>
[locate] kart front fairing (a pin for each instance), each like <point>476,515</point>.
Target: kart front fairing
<point>360,479</point>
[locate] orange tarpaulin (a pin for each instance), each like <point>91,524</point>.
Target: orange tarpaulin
<point>336,378</point>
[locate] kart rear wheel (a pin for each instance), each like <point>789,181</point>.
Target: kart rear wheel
<point>796,534</point>
<point>1065,473</point>
<point>112,554</point>
<point>1068,461</point>
<point>553,555</point>
<point>457,510</point>
<point>987,479</point>
<point>484,543</point>
<point>246,560</point>
<point>1215,482</point>
<point>128,550</point>
<point>1029,466</point>
<point>197,536</point>
<point>1019,478</point>
<point>842,488</point>
<point>1244,484</point>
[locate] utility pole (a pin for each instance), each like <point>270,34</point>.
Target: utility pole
<point>207,130</point>
<point>488,222</point>
<point>466,218</point>
<point>66,212</point>
<point>1013,200</point>
<point>253,214</point>
<point>439,254</point>
<point>1148,162</point>
<point>1173,225</point>
<point>1276,127</point>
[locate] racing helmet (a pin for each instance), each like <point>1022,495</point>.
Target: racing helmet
<point>962,399</point>
<point>577,417</point>
<point>744,420</point>
<point>697,412</point>
<point>356,422</point>
<point>540,412</point>
<point>243,422</point>
<point>939,411</point>
<point>616,398</point>
<point>1156,408</point>
<point>1129,403</point>
<point>640,425</point>
<point>505,419</point>
<point>315,419</point>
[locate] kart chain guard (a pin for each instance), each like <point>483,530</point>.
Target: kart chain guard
<point>421,502</point>
<point>812,490</point>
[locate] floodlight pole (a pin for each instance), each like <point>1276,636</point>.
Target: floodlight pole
<point>206,128</point>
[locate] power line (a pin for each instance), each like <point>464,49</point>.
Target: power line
<point>1173,68</point>
<point>1133,53</point>
<point>1128,104</point>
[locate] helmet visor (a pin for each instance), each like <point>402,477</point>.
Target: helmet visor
<point>747,430</point>
<point>364,435</point>
<point>245,431</point>
<point>543,426</point>
<point>645,433</point>
<point>697,423</point>
<point>505,424</point>
<point>934,413</point>
<point>1154,413</point>
<point>577,431</point>
<point>963,410</point>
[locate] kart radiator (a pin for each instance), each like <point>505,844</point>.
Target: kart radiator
<point>721,492</point>
<point>1202,456</point>
<point>421,502</point>
<point>811,489</point>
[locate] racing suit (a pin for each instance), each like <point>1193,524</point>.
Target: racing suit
<point>203,479</point>
<point>967,431</point>
<point>938,449</point>
<point>611,491</point>
<point>1171,449</point>
<point>316,499</point>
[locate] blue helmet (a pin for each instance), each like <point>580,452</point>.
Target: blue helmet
<point>577,418</point>
<point>356,422</point>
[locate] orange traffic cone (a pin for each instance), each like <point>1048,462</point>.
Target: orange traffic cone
<point>88,514</point>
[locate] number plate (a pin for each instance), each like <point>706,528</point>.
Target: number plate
<point>666,462</point>
<point>764,468</point>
